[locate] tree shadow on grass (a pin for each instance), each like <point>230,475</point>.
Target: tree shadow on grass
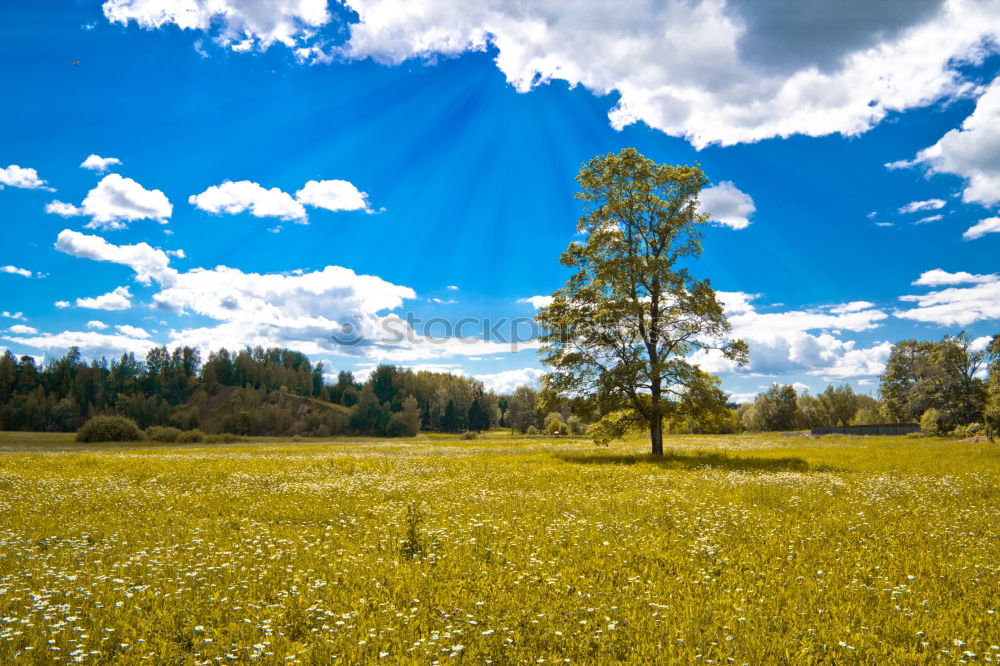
<point>714,460</point>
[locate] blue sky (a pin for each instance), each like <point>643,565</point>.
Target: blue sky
<point>265,172</point>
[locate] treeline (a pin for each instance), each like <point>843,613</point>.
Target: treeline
<point>945,386</point>
<point>251,391</point>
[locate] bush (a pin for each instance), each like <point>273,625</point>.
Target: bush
<point>467,435</point>
<point>191,437</point>
<point>224,438</point>
<point>970,430</point>
<point>167,434</point>
<point>931,422</point>
<point>532,430</point>
<point>109,429</point>
<point>554,425</point>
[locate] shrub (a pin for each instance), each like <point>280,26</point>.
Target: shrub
<point>931,422</point>
<point>191,437</point>
<point>554,425</point>
<point>166,434</point>
<point>467,435</point>
<point>532,430</point>
<point>224,438</point>
<point>109,429</point>
<point>970,430</point>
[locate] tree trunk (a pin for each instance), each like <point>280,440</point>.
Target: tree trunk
<point>656,435</point>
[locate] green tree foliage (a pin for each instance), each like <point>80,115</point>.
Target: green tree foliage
<point>406,422</point>
<point>777,408</point>
<point>922,375</point>
<point>991,411</point>
<point>522,411</point>
<point>625,324</point>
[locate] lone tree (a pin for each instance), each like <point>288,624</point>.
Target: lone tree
<point>623,329</point>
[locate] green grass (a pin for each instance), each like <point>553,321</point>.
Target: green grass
<point>736,549</point>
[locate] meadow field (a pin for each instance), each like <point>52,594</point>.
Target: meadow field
<point>731,549</point>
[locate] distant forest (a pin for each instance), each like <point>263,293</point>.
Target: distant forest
<point>248,392</point>
<point>947,386</point>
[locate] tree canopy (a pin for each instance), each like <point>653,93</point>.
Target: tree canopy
<point>624,327</point>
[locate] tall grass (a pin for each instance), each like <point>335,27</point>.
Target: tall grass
<point>501,550</point>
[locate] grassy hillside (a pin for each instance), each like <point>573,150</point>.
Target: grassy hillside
<point>744,549</point>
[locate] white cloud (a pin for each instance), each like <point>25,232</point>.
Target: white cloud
<point>742,398</point>
<point>97,325</point>
<point>177,253</point>
<point>63,209</point>
<point>119,299</point>
<point>62,304</point>
<point>451,287</point>
<point>537,302</point>
<point>333,195</point>
<point>929,218</point>
<point>24,272</point>
<point>955,306</point>
<point>990,225</point>
<point>709,71</point>
<point>147,262</point>
<point>13,315</point>
<point>132,331</point>
<point>971,152</point>
<point>853,306</point>
<point>91,344</point>
<point>233,198</point>
<point>883,224</point>
<point>729,206</point>
<point>937,277</point>
<point>98,163</point>
<point>929,204</point>
<point>115,202</point>
<point>238,24</point>
<point>23,177</point>
<point>508,380</point>
<point>798,340</point>
<point>21,329</point>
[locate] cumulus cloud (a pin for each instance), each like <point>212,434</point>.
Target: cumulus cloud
<point>13,315</point>
<point>21,329</point>
<point>115,202</point>
<point>14,270</point>
<point>91,344</point>
<point>132,331</point>
<point>62,304</point>
<point>954,306</point>
<point>806,341</point>
<point>728,205</point>
<point>971,152</point>
<point>118,299</point>
<point>537,302</point>
<point>239,24</point>
<point>23,177</point>
<point>507,380</point>
<point>98,163</point>
<point>335,195</point>
<point>710,71</point>
<point>96,325</point>
<point>147,262</point>
<point>237,197</point>
<point>990,225</point>
<point>937,277</point>
<point>929,204</point>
